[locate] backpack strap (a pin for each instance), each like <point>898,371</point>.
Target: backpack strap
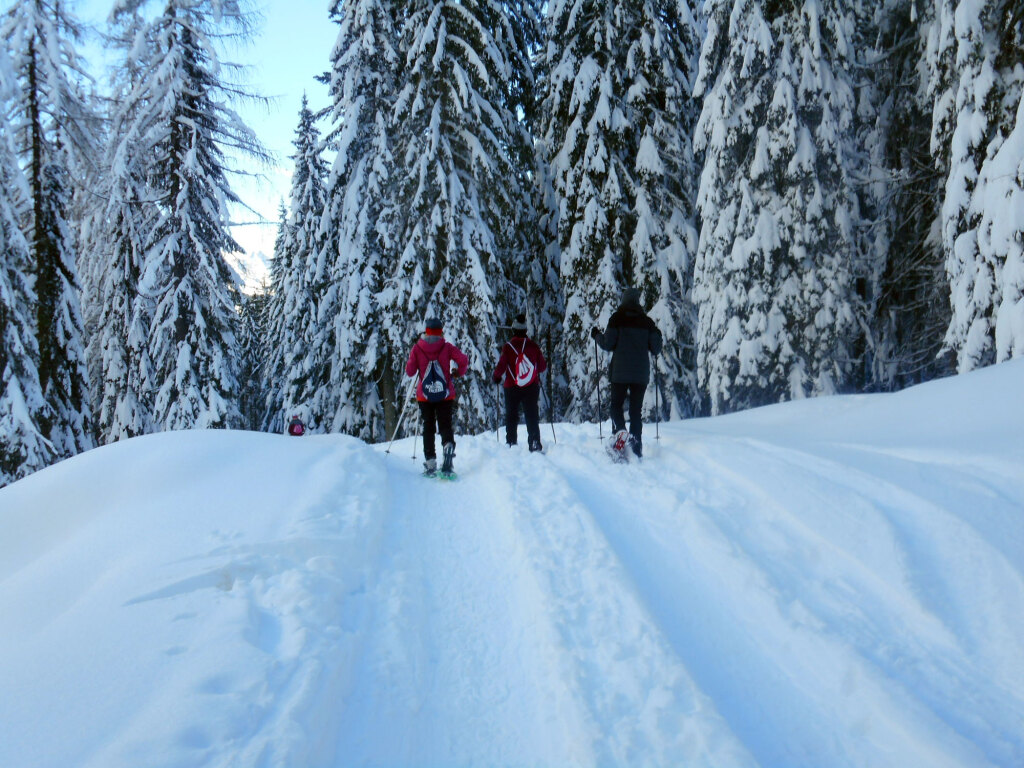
<point>515,353</point>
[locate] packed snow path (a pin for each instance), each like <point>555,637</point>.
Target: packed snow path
<point>827,583</point>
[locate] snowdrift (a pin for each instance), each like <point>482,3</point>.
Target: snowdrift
<point>837,582</point>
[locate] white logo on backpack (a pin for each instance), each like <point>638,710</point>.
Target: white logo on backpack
<point>523,370</point>
<point>435,386</point>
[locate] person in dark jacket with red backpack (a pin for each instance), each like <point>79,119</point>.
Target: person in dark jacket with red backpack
<point>521,364</point>
<point>431,359</point>
<point>632,338</point>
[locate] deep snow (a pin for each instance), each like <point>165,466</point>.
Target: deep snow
<point>835,582</point>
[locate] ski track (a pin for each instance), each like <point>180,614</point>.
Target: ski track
<point>643,638</point>
<point>643,707</point>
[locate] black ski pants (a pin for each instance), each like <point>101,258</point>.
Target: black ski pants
<point>437,417</point>
<point>526,397</point>
<point>635,392</point>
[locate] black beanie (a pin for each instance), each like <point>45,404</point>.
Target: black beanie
<point>519,324</point>
<point>631,297</point>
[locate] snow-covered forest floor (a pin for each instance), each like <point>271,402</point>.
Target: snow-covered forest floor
<point>834,582</point>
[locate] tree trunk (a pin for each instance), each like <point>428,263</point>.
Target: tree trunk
<point>387,396</point>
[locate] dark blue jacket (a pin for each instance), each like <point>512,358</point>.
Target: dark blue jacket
<point>632,338</point>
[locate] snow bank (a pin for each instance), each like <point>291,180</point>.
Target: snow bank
<point>833,582</point>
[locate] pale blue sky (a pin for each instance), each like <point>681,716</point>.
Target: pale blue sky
<point>293,46</point>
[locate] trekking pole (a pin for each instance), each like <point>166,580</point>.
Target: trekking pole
<point>497,413</point>
<point>657,406</point>
<point>597,372</point>
<point>551,417</point>
<point>401,418</point>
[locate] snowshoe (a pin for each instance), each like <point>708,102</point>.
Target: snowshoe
<point>430,468</point>
<point>617,447</point>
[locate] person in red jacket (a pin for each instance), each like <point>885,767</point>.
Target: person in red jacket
<point>521,364</point>
<point>431,359</point>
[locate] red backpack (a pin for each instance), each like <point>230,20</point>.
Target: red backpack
<point>522,370</point>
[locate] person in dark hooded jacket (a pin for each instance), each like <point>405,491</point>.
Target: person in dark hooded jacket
<point>632,338</point>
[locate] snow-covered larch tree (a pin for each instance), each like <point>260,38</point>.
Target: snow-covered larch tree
<point>459,188</point>
<point>52,124</point>
<point>775,278</point>
<point>617,120</point>
<point>983,210</point>
<point>23,449</point>
<point>360,396</point>
<point>188,124</point>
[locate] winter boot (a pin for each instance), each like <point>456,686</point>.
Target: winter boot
<point>637,446</point>
<point>535,446</point>
<point>449,455</point>
<point>430,467</point>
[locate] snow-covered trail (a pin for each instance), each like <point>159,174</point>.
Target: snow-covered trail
<point>821,584</point>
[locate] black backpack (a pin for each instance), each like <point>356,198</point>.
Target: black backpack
<point>435,384</point>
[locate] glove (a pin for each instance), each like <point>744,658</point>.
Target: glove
<point>595,332</point>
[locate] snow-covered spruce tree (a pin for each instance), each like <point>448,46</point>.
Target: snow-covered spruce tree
<point>983,210</point>
<point>253,313</point>
<point>304,363</point>
<point>459,189</point>
<point>518,31</point>
<point>535,258</point>
<point>907,289</point>
<point>360,395</point>
<point>23,449</point>
<point>188,124</point>
<point>617,119</point>
<point>583,127</point>
<point>661,66</point>
<point>51,122</point>
<point>272,417</point>
<point>121,315</point>
<point>775,275</point>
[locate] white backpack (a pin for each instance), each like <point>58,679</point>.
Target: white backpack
<point>523,371</point>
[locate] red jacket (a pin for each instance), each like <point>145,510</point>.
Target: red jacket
<point>435,348</point>
<point>510,352</point>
